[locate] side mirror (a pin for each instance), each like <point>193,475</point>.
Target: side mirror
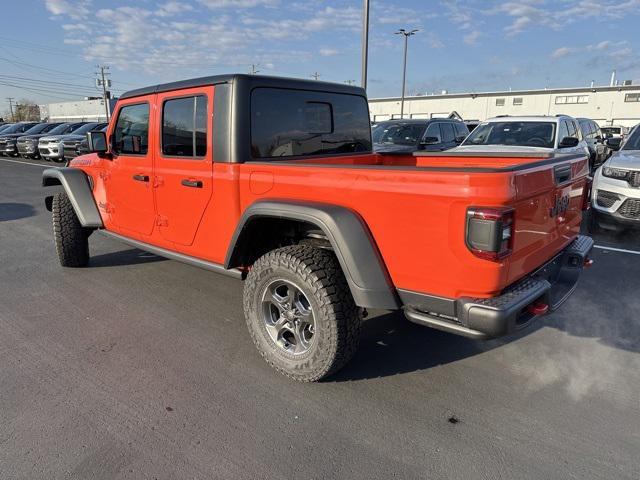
<point>568,142</point>
<point>613,143</point>
<point>97,142</point>
<point>430,141</point>
<point>598,139</point>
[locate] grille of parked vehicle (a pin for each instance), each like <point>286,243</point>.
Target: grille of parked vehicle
<point>607,199</point>
<point>70,148</point>
<point>630,208</point>
<point>634,179</point>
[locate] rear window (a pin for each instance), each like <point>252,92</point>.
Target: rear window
<point>288,123</point>
<point>521,134</point>
<point>398,133</point>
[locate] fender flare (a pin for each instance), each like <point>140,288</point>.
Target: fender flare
<point>77,185</point>
<point>352,242</point>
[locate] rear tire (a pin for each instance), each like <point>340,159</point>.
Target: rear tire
<point>71,239</point>
<point>323,328</point>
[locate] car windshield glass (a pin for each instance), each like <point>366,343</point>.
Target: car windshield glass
<point>521,134</point>
<point>59,130</point>
<point>398,133</point>
<point>633,142</point>
<point>39,128</point>
<point>85,128</point>
<point>15,128</point>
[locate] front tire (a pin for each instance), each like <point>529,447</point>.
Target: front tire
<point>71,239</point>
<point>300,312</point>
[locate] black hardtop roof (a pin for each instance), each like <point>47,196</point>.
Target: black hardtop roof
<point>250,80</point>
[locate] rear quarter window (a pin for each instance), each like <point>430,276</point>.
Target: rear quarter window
<point>287,123</point>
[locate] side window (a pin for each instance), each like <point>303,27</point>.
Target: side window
<point>184,127</point>
<point>433,130</point>
<point>448,135</point>
<point>563,131</point>
<point>461,130</point>
<point>131,133</point>
<point>571,127</point>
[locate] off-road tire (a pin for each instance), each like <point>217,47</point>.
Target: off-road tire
<point>337,318</point>
<point>71,239</point>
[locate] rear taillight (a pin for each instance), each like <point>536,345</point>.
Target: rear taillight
<point>490,232</point>
<point>586,199</point>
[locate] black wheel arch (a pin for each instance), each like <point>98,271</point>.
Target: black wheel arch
<point>344,229</point>
<point>77,186</point>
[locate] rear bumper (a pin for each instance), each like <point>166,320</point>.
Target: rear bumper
<point>511,311</point>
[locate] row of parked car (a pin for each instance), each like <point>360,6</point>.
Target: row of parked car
<point>561,133</point>
<point>55,142</point>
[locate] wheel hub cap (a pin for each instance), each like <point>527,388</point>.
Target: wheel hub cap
<point>288,317</point>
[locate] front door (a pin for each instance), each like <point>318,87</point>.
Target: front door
<point>184,165</point>
<point>129,192</point>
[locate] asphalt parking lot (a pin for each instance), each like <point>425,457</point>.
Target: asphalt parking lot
<point>139,367</point>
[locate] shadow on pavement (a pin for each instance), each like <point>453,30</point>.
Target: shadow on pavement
<point>124,257</point>
<point>391,345</point>
<point>15,211</point>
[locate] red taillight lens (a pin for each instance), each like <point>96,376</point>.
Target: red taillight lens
<point>586,199</point>
<point>490,232</point>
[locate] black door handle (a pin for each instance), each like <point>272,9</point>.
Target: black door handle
<point>141,178</point>
<point>192,183</point>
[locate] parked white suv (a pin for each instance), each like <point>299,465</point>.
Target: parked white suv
<point>559,134</point>
<point>615,195</point>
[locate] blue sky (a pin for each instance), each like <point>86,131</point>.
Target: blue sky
<point>49,49</point>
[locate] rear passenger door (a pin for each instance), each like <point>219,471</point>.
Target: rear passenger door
<point>448,136</point>
<point>184,168</point>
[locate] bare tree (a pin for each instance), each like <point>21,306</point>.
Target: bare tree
<point>26,110</point>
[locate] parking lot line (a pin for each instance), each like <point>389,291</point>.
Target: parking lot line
<point>25,163</point>
<point>614,249</point>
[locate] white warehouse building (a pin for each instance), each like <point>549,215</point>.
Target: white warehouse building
<point>88,110</point>
<point>616,105</point>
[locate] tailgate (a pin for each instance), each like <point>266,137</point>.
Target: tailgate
<point>549,202</point>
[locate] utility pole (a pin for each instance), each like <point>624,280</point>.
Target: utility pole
<point>365,44</point>
<point>13,118</point>
<point>406,35</point>
<point>315,75</point>
<point>104,83</point>
<point>349,82</point>
<point>254,69</point>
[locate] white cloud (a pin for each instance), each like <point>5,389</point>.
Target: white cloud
<point>328,52</point>
<point>472,37</point>
<point>562,52</point>
<point>172,8</point>
<point>237,3</point>
<point>75,9</point>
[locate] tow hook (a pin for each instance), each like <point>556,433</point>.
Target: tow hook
<point>538,308</point>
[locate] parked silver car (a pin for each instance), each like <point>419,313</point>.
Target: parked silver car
<point>50,146</point>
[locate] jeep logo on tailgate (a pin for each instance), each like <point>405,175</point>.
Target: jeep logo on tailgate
<point>561,205</point>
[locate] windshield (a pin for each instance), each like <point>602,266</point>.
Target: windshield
<point>59,130</point>
<point>611,130</point>
<point>520,134</point>
<point>398,133</point>
<point>85,128</point>
<point>41,127</point>
<point>17,128</point>
<point>633,142</point>
<point>4,127</point>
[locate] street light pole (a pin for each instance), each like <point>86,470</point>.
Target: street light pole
<point>365,44</point>
<point>406,35</point>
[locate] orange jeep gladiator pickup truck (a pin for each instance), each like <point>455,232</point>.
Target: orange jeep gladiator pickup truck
<point>273,181</point>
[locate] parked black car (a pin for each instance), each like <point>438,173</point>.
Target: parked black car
<point>72,141</point>
<point>598,149</point>
<point>8,137</point>
<point>431,135</point>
